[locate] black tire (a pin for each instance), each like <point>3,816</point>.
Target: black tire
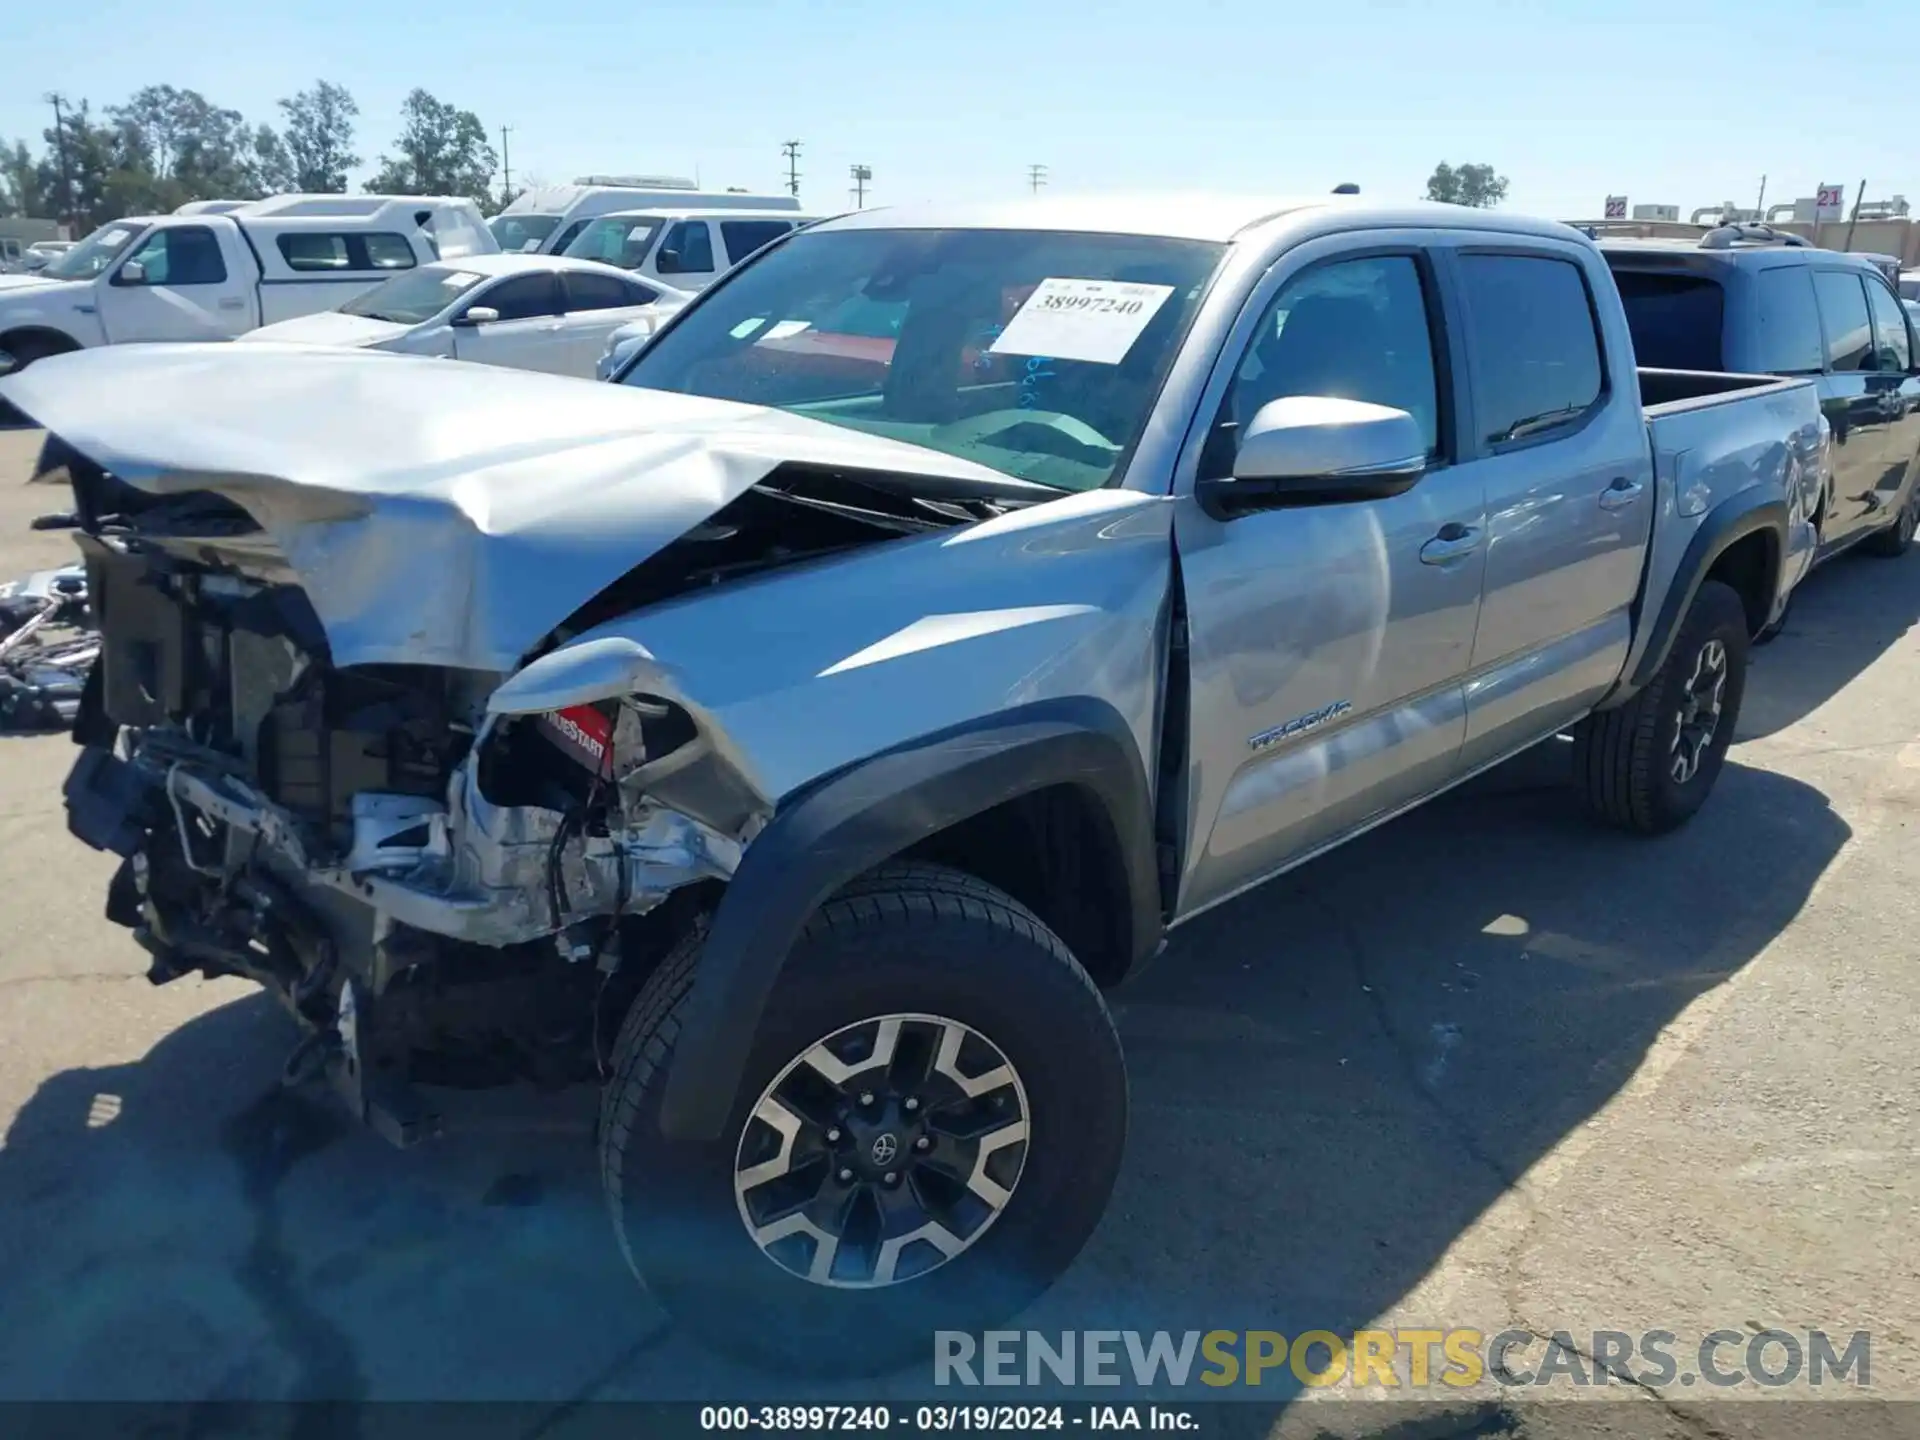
<point>1624,758</point>
<point>907,939</point>
<point>1896,539</point>
<point>29,348</point>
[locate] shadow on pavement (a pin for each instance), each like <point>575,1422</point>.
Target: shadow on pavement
<point>1332,1080</point>
<point>1846,615</point>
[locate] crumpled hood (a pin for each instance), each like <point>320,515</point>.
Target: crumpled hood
<point>440,513</point>
<point>329,327</point>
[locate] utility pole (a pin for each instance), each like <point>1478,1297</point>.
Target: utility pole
<point>1036,177</point>
<point>861,175</point>
<point>1760,205</point>
<point>55,99</point>
<point>506,167</point>
<point>792,151</point>
<point>1859,199</point>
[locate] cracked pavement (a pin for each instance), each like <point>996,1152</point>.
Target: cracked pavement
<point>1489,1066</point>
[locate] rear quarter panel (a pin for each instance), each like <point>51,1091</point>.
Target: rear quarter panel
<point>1767,443</point>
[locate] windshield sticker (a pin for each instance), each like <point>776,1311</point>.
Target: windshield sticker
<point>639,232</point>
<point>1092,320</point>
<point>785,328</point>
<point>459,278</point>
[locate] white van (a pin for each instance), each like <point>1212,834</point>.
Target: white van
<point>688,249</point>
<point>212,276</point>
<point>547,221</point>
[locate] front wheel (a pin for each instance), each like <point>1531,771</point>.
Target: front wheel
<point>928,1129</point>
<point>1649,764</point>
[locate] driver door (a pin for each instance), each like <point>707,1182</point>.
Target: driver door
<point>530,333</point>
<point>1328,644</point>
<point>176,285</point>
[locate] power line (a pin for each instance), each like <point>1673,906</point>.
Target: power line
<point>862,174</point>
<point>792,151</point>
<point>1036,177</point>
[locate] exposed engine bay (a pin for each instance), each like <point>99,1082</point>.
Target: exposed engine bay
<point>438,891</point>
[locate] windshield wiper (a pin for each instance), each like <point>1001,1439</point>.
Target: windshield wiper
<point>1534,424</point>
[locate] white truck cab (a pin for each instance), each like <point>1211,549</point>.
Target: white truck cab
<point>212,274</point>
<point>685,248</point>
<point>548,220</point>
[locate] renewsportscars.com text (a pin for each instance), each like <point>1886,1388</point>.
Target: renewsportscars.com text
<point>1402,1359</point>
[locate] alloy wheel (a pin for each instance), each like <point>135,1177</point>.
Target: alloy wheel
<point>882,1152</point>
<point>1698,716</point>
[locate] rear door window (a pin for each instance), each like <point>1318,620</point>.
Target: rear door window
<point>743,237</point>
<point>1843,313</point>
<point>1676,319</point>
<point>1534,344</point>
<point>586,291</point>
<point>1786,323</point>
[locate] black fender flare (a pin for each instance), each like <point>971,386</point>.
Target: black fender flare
<point>842,826</point>
<point>1728,523</point>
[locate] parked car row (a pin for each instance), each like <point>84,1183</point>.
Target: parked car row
<point>378,272</point>
<point>799,734</point>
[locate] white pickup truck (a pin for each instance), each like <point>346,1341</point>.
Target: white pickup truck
<point>204,276</point>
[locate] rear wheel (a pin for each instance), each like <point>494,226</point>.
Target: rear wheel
<point>25,349</point>
<point>927,1131</point>
<point>1648,765</point>
<point>1894,541</point>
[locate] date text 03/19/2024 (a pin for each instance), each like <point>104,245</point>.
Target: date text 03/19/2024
<point>942,1419</point>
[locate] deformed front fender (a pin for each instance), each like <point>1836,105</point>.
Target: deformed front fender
<point>845,825</point>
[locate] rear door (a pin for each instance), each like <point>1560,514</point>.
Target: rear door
<point>1556,437</point>
<point>527,336</point>
<point>179,283</point>
<point>1861,404</point>
<point>596,306</point>
<point>1328,643</point>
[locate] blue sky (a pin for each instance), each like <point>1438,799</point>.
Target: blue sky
<point>1685,104</point>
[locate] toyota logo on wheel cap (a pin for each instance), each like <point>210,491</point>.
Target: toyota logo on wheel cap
<point>885,1147</point>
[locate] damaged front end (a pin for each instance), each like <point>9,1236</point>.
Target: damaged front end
<point>443,878</point>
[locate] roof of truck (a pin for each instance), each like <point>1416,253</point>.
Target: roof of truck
<point>1188,216</point>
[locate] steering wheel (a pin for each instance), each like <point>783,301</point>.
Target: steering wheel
<point>998,422</point>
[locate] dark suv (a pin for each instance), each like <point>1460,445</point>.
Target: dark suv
<point>1751,299</point>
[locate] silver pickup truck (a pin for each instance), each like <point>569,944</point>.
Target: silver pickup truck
<point>799,735</point>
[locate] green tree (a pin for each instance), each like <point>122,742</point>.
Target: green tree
<point>96,166</point>
<point>1474,185</point>
<point>186,148</point>
<point>443,151</point>
<point>319,137</point>
<point>22,191</point>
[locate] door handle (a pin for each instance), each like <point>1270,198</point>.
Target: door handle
<point>232,302</point>
<point>1620,494</point>
<point>1454,542</point>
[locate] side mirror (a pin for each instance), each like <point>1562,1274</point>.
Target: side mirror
<point>476,315</point>
<point>1318,450</point>
<point>133,273</point>
<point>667,262</point>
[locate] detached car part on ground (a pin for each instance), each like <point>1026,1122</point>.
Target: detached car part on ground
<point>799,745</point>
<point>47,647</point>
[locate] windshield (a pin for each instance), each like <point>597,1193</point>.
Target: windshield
<point>415,297</point>
<point>1037,353</point>
<point>616,241</point>
<point>521,234</point>
<point>95,253</point>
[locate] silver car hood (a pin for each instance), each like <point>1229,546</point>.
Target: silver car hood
<point>438,513</point>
